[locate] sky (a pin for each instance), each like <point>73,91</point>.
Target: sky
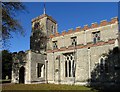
<point>68,15</point>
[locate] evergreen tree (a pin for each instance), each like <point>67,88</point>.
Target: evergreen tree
<point>6,64</point>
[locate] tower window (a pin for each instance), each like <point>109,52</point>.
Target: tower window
<point>47,27</point>
<point>74,41</point>
<point>96,36</point>
<point>55,45</point>
<point>52,29</point>
<point>36,25</point>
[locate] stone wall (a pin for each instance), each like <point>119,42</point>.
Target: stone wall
<point>87,53</point>
<point>85,36</point>
<point>35,59</point>
<point>29,62</point>
<point>86,60</point>
<point>19,60</point>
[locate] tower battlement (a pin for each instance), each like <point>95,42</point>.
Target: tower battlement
<point>42,16</point>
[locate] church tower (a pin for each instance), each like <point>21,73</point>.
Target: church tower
<point>42,26</point>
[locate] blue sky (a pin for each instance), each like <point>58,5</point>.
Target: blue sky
<point>68,15</point>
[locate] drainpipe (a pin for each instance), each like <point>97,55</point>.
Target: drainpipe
<point>85,37</point>
<point>54,66</point>
<point>75,54</point>
<point>59,70</point>
<point>89,64</point>
<point>46,65</point>
<point>29,64</point>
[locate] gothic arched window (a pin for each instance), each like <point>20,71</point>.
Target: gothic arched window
<point>69,65</point>
<point>103,65</point>
<point>65,68</point>
<point>69,68</point>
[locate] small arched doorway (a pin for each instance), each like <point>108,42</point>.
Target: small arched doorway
<point>21,75</point>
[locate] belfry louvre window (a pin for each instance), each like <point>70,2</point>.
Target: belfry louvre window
<point>74,41</point>
<point>40,70</point>
<point>69,65</point>
<point>55,45</point>
<point>52,29</point>
<point>36,25</point>
<point>96,36</point>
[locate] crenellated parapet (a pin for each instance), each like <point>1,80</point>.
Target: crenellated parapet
<point>78,29</point>
<point>86,27</point>
<point>42,16</point>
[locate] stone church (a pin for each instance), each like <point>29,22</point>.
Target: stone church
<point>77,56</point>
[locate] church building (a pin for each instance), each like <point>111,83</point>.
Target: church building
<point>76,57</point>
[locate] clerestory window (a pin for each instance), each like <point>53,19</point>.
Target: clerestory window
<point>74,41</point>
<point>96,36</point>
<point>55,45</point>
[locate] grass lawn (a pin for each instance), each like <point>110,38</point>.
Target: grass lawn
<point>43,87</point>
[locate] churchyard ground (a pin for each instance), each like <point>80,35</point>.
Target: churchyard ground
<point>44,87</point>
